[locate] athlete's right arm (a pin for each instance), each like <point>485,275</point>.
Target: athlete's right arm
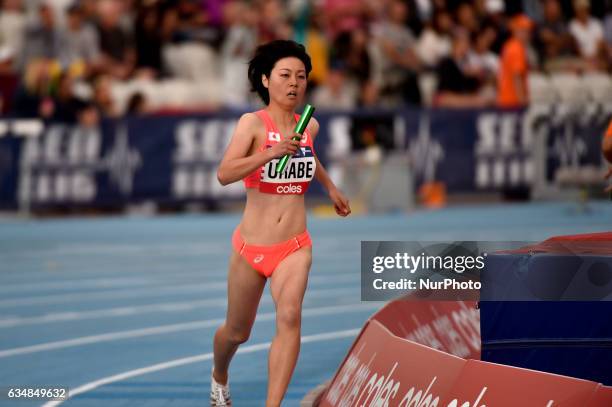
<point>236,163</point>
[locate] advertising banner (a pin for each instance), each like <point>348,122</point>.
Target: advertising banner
<point>373,374</point>
<point>173,159</point>
<point>383,370</point>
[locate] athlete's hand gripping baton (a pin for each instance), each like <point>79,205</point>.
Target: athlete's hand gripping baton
<point>300,127</point>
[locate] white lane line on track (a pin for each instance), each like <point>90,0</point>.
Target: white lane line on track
<point>113,294</point>
<point>148,291</point>
<point>61,279</point>
<point>176,306</point>
<point>328,336</point>
<point>158,277</point>
<point>181,247</point>
<point>163,329</point>
<point>49,277</point>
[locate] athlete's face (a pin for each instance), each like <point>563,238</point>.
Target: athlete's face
<point>287,82</point>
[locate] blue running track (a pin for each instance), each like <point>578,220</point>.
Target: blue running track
<point>122,310</point>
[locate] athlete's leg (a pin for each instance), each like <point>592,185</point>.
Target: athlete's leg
<point>244,289</point>
<point>287,287</point>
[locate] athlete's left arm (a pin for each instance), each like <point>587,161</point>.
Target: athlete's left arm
<point>341,203</point>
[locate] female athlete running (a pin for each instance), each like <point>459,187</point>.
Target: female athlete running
<point>271,241</point>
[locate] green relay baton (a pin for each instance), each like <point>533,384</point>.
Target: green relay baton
<point>300,127</point>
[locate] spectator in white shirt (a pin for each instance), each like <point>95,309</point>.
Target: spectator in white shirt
<point>435,41</point>
<point>587,31</point>
<point>238,46</point>
<point>481,59</point>
<point>12,29</point>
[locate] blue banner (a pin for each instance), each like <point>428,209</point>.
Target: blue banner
<point>173,159</point>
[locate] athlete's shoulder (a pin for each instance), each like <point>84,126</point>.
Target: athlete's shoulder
<point>250,123</point>
<point>251,118</point>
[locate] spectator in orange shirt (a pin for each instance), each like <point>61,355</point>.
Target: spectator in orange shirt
<point>512,78</point>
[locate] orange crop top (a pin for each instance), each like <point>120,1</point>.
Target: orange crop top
<point>298,173</point>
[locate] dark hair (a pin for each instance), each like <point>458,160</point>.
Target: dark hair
<point>136,104</point>
<point>265,58</point>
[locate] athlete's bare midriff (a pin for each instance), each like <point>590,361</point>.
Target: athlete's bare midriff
<point>270,218</point>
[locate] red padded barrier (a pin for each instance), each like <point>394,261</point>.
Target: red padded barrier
<point>383,368</point>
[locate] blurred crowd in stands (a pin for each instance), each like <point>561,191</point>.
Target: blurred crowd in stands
<point>80,60</point>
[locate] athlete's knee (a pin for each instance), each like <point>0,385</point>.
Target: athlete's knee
<point>289,316</point>
<point>237,335</point>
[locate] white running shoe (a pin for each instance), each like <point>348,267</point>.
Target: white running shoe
<point>219,394</point>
